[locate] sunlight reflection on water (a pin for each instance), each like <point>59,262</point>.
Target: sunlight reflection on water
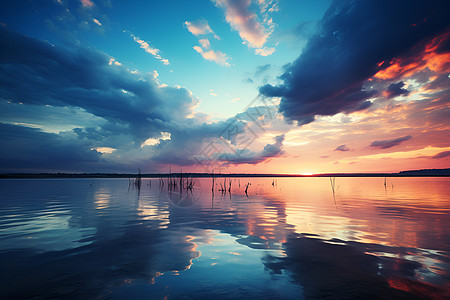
<point>88,238</point>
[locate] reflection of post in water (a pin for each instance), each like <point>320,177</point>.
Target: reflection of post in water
<point>333,186</point>
<point>333,183</point>
<point>181,189</point>
<point>222,187</point>
<point>181,181</point>
<point>173,184</point>
<point>212,190</point>
<point>137,182</point>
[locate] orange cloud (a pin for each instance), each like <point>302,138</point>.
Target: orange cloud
<point>216,56</point>
<point>430,58</point>
<point>87,3</point>
<point>147,48</point>
<point>250,29</point>
<point>200,27</point>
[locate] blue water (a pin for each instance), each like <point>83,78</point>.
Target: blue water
<point>289,238</point>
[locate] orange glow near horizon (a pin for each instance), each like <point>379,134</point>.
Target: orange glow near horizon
<point>307,173</point>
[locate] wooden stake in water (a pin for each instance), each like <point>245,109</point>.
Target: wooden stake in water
<point>246,188</point>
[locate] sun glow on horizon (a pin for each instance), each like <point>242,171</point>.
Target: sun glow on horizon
<point>307,173</point>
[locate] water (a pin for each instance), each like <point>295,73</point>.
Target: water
<point>293,239</point>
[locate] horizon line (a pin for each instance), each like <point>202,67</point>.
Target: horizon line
<point>420,172</point>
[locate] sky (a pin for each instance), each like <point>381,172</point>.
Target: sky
<point>230,86</point>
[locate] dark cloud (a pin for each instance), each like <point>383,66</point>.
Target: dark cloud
<point>80,86</point>
<point>247,156</point>
<point>342,148</point>
<point>29,149</point>
<point>441,155</point>
<point>189,141</point>
<point>384,144</point>
<point>108,105</point>
<point>202,144</point>
<point>271,150</point>
<point>36,72</point>
<point>396,89</point>
<point>354,37</point>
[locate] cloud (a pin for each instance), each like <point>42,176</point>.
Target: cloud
<point>153,51</point>
<point>247,156</point>
<point>208,145</point>
<point>47,118</point>
<point>441,155</point>
<point>97,22</point>
<point>87,3</point>
<point>253,32</point>
<point>216,56</point>
<point>205,43</point>
<point>396,89</point>
<point>265,51</point>
<point>29,149</point>
<point>329,75</point>
<point>78,100</point>
<point>72,19</point>
<point>200,27</point>
<point>152,141</point>
<point>192,142</point>
<point>35,72</point>
<point>342,148</point>
<point>272,150</point>
<point>384,144</point>
<point>432,54</point>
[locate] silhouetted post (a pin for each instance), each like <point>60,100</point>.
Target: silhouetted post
<point>246,188</point>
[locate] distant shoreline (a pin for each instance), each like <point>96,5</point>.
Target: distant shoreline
<point>411,173</point>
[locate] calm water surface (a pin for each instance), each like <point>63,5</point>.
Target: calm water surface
<point>289,239</point>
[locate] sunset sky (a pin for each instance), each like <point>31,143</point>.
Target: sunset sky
<point>239,86</point>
